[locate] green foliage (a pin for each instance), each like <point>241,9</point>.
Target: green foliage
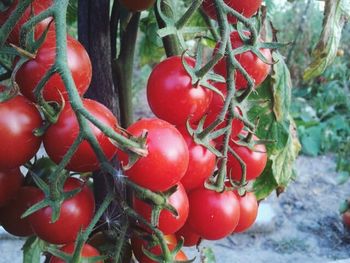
<point>276,125</point>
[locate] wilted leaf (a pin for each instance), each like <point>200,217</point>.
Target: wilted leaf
<point>336,14</point>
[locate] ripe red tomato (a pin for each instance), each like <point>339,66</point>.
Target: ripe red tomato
<point>135,6</point>
<point>87,252</point>
<point>18,119</point>
<point>171,95</point>
<point>201,163</point>
<point>213,215</point>
<point>61,135</point>
<point>167,159</point>
<point>346,219</point>
<point>255,160</point>
<point>30,73</point>
<point>36,7</point>
<point>168,223</point>
<point>248,211</point>
<point>75,215</point>
<point>138,243</point>
<point>10,215</point>
<point>10,183</point>
<point>214,110</point>
<point>254,66</point>
<point>247,8</point>
<point>190,237</point>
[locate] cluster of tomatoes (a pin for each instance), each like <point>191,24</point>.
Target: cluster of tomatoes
<point>175,165</point>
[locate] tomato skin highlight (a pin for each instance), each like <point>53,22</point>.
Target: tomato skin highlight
<point>61,135</point>
<point>171,95</point>
<point>247,8</point>
<point>10,183</point>
<point>248,211</point>
<point>18,119</point>
<point>213,215</point>
<point>255,160</point>
<point>168,223</point>
<point>255,67</point>
<point>75,215</point>
<point>137,6</point>
<point>190,237</point>
<point>167,159</point>
<point>31,72</point>
<point>214,110</point>
<point>10,215</point>
<point>201,163</point>
<point>87,251</point>
<point>37,6</point>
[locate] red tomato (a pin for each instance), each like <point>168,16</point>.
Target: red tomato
<point>190,237</point>
<point>247,8</point>
<point>171,95</point>
<point>213,215</point>
<point>167,159</point>
<point>201,163</point>
<point>255,160</point>
<point>87,252</point>
<point>346,219</point>
<point>248,211</point>
<point>18,119</point>
<point>10,183</point>
<point>215,108</point>
<point>75,215</point>
<point>135,6</point>
<point>61,135</point>
<point>36,7</point>
<point>10,215</point>
<point>168,223</point>
<point>138,243</point>
<point>29,75</point>
<point>254,66</point>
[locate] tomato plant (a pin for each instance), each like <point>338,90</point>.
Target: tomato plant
<point>248,211</point>
<point>185,100</point>
<point>60,136</point>
<point>31,72</point>
<point>137,5</point>
<point>10,183</point>
<point>10,215</point>
<point>213,215</point>
<point>18,120</point>
<point>87,252</point>
<point>75,214</point>
<point>255,67</point>
<point>201,163</point>
<point>36,7</point>
<point>167,159</point>
<point>254,158</point>
<point>247,8</point>
<point>168,223</point>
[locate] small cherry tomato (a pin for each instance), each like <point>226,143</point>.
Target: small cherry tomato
<point>190,237</point>
<point>87,252</point>
<point>167,159</point>
<point>168,223</point>
<point>248,211</point>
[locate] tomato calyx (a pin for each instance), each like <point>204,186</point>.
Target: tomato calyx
<point>52,200</point>
<point>7,93</point>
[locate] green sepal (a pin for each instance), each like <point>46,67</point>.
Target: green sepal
<point>36,207</point>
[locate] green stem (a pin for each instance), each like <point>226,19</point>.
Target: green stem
<point>171,43</point>
<point>188,14</point>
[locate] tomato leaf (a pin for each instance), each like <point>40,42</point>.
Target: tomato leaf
<point>336,13</point>
<point>271,105</point>
<point>32,249</point>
